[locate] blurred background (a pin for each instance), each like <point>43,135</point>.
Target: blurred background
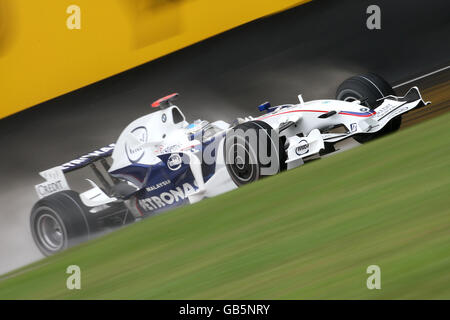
<point>274,51</point>
<point>49,48</point>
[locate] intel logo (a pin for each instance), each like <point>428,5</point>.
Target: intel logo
<point>302,148</point>
<point>174,162</point>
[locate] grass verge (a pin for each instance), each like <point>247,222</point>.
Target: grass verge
<point>308,233</point>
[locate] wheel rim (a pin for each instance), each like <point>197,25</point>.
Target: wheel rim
<point>349,95</point>
<point>350,99</point>
<point>50,232</point>
<point>243,170</point>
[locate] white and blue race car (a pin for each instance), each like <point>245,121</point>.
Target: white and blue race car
<point>161,161</point>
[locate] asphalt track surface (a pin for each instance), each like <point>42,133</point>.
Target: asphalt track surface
<point>309,49</point>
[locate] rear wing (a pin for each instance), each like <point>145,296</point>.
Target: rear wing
<point>55,180</point>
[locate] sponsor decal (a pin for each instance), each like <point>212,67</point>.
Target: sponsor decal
<point>401,110</point>
<point>157,186</point>
<point>302,148</point>
<point>46,189</point>
<point>171,149</point>
<point>167,198</point>
<point>174,162</point>
<point>383,109</point>
<point>353,127</point>
<point>103,152</point>
<point>134,150</point>
<point>55,182</point>
<point>159,149</point>
<point>391,111</point>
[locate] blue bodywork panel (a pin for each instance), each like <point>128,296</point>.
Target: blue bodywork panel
<point>167,184</point>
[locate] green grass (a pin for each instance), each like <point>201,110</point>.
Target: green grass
<point>309,233</point>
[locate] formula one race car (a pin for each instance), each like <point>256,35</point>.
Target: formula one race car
<point>161,161</point>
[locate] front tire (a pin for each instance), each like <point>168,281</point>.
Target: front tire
<point>368,88</point>
<point>243,156</point>
<point>60,221</point>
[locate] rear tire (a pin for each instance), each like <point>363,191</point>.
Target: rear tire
<point>60,221</point>
<point>368,88</point>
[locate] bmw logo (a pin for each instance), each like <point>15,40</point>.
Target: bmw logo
<point>164,118</point>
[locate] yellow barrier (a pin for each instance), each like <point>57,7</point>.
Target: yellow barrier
<point>51,47</point>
